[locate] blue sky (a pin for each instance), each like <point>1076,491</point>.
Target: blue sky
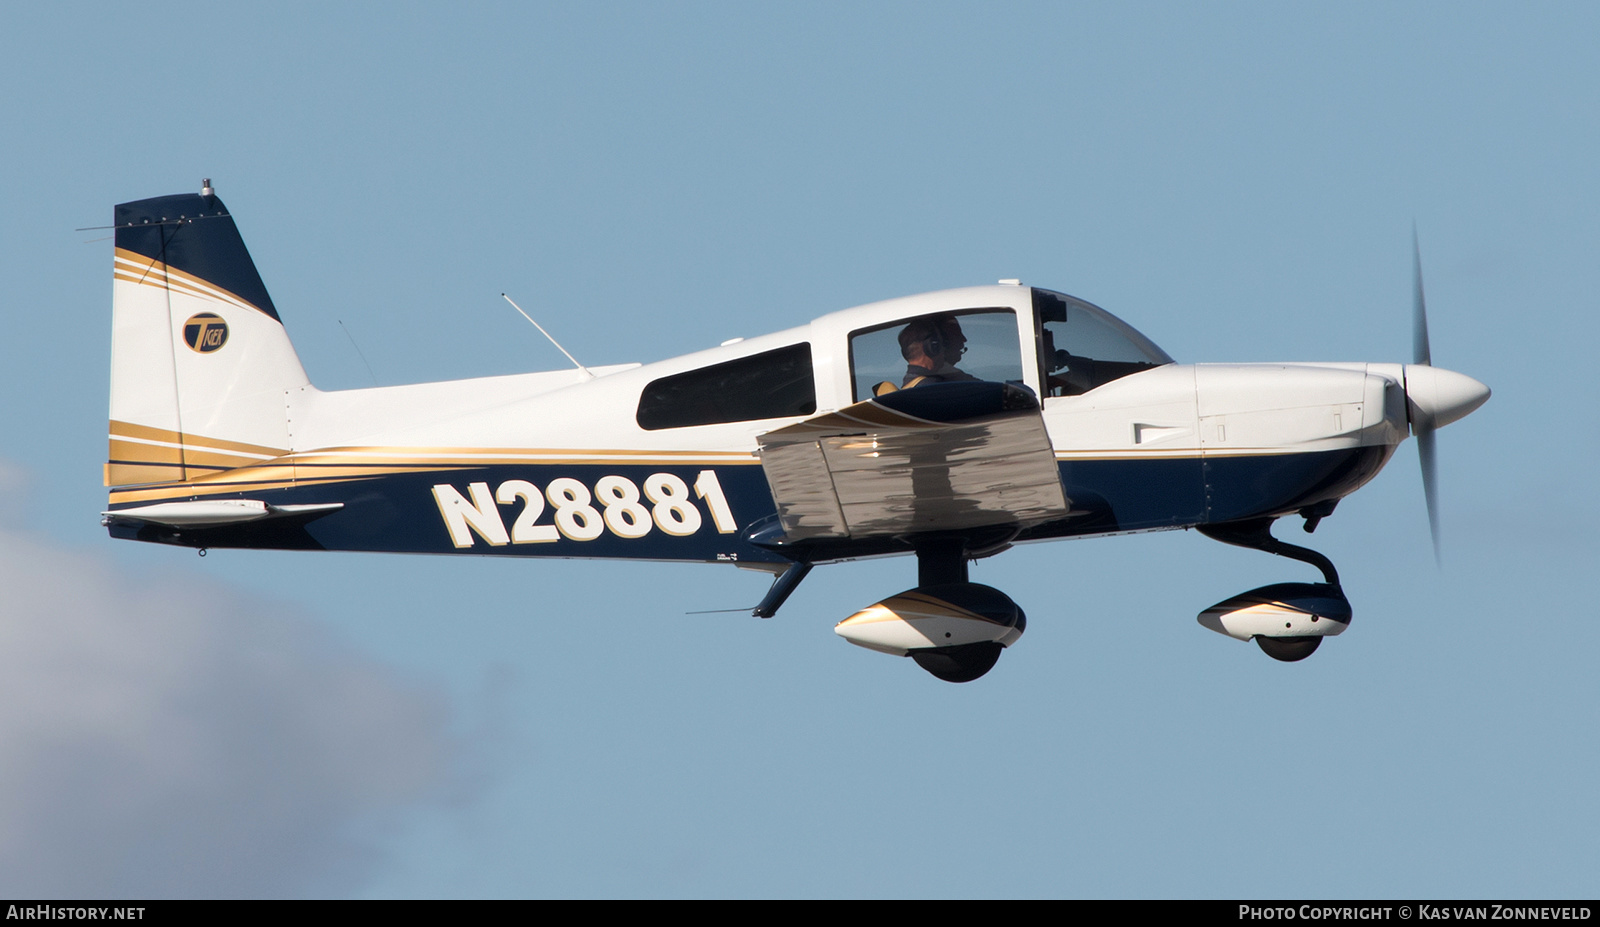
<point>1237,181</point>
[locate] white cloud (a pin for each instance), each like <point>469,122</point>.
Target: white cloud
<point>173,737</point>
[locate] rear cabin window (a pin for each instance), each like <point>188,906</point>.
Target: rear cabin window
<point>775,384</point>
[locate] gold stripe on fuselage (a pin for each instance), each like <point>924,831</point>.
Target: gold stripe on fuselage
<point>324,467</point>
<point>1183,453</point>
<point>415,452</point>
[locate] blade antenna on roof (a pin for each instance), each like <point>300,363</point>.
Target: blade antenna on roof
<point>586,371</point>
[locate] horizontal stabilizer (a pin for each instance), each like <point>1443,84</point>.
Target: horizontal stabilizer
<point>211,513</point>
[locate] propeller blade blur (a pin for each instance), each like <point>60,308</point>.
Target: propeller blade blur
<point>1430,486</point>
<point>1420,351</point>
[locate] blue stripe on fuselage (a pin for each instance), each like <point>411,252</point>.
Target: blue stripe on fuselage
<point>1141,495</point>
<point>399,512</point>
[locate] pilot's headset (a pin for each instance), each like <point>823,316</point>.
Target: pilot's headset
<point>924,333</point>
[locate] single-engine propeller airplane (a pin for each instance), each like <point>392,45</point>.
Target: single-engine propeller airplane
<point>949,426</point>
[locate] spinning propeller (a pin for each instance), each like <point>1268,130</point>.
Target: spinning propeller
<point>1434,397</point>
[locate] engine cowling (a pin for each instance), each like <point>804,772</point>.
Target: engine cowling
<point>954,630</point>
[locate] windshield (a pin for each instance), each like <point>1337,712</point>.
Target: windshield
<point>1082,346</point>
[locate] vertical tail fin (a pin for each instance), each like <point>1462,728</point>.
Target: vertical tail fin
<point>200,361</point>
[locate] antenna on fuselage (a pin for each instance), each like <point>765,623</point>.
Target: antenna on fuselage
<point>586,371</point>
<point>359,353</point>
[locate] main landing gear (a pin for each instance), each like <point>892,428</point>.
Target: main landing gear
<point>1286,620</point>
<point>953,628</point>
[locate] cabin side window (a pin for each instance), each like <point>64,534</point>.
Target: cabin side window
<point>968,344</point>
<point>774,384</point>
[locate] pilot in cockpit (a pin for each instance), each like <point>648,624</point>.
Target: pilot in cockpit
<point>932,345</point>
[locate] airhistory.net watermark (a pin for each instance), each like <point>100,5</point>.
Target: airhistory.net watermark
<point>43,912</point>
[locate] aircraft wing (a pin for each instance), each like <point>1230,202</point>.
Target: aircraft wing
<point>939,457</point>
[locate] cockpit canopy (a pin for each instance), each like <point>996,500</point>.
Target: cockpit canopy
<point>1039,339</point>
<point>1079,346</point>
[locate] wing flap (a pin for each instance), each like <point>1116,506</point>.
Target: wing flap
<point>958,456</point>
<point>798,476</point>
